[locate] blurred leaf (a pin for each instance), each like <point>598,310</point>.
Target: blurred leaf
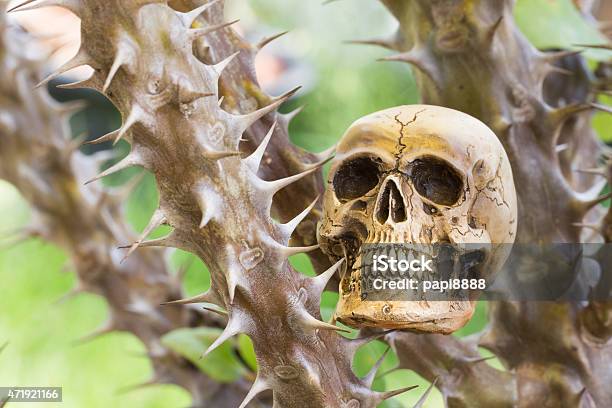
<point>405,378</point>
<point>493,361</point>
<point>302,263</point>
<point>142,203</point>
<point>16,211</point>
<point>246,351</point>
<point>558,24</point>
<point>602,121</point>
<point>196,276</point>
<point>368,355</point>
<point>392,403</point>
<point>328,304</point>
<point>221,364</point>
<point>477,323</point>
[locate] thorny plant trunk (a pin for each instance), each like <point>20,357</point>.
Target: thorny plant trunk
<point>218,205</point>
<point>38,157</point>
<point>156,65</point>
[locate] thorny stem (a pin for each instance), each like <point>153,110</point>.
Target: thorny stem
<point>38,157</point>
<point>216,201</point>
<point>241,94</point>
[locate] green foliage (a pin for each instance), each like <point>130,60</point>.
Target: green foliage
<point>221,364</point>
<point>602,121</point>
<point>247,352</point>
<point>42,332</point>
<point>477,323</point>
<point>558,24</point>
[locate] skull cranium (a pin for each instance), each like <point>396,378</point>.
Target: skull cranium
<point>416,175</point>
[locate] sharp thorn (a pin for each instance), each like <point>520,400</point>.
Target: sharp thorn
<point>288,117</point>
<point>601,108</point>
<point>594,171</point>
<point>289,227</point>
<point>312,323</point>
<point>72,5</point>
<point>393,43</point>
<point>68,296</point>
<point>133,117</point>
<point>490,34</point>
<point>320,282</point>
<point>324,157</point>
<point>421,402</point>
<point>593,227</point>
<point>189,18</point>
<point>210,205</point>
<point>95,335</point>
<point>167,241</point>
<point>157,219</point>
<point>478,360</point>
<point>230,331</point>
<point>201,298</point>
<point>129,161</point>
<point>390,394</point>
<point>595,46</point>
<point>254,160</point>
<point>385,373</point>
<point>81,58</point>
<point>258,387</point>
<point>109,137</point>
<point>352,345</point>
<point>221,66</point>
<point>599,200</point>
<point>217,311</point>
<point>267,40</point>
<point>272,187</point>
<point>555,56</point>
<point>369,378</point>
<point>221,155</point>
<point>196,33</point>
<point>136,387</point>
<point>120,59</point>
<point>290,251</point>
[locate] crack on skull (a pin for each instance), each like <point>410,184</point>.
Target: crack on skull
<point>494,189</point>
<point>470,231</point>
<point>400,144</point>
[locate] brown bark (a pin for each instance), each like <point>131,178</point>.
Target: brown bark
<point>214,199</point>
<point>38,157</point>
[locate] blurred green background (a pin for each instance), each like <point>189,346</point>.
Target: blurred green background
<point>343,82</point>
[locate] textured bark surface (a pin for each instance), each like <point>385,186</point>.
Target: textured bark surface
<point>214,199</point>
<point>241,93</point>
<point>459,372</point>
<point>470,56</point>
<point>38,157</point>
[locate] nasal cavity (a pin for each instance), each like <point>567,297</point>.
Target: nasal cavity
<point>391,204</point>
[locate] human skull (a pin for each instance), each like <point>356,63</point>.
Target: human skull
<point>416,174</point>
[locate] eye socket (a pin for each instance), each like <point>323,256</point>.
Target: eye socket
<point>355,178</point>
<point>436,180</point>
